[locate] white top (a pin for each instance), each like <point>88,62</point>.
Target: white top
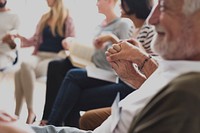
<point>9,22</point>
<point>134,102</point>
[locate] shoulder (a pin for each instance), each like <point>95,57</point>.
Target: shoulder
<point>189,79</point>
<point>175,105</point>
<point>69,19</point>
<point>180,91</point>
<point>189,83</point>
<point>11,14</point>
<point>125,21</point>
<point>146,28</point>
<point>11,17</point>
<point>183,89</point>
<point>124,24</point>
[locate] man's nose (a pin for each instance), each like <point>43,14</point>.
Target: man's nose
<point>154,16</point>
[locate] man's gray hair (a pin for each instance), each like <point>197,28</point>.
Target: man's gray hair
<point>191,6</point>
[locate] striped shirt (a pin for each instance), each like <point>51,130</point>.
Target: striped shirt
<point>145,37</point>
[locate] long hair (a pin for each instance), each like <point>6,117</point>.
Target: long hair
<point>58,13</point>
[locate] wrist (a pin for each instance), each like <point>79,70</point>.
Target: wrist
<point>146,58</point>
<point>137,81</point>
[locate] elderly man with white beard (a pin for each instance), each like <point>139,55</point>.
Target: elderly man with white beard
<point>168,102</point>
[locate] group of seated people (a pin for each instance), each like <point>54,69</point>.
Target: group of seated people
<point>70,90</point>
<point>160,83</point>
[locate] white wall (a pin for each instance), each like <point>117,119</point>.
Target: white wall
<point>84,13</point>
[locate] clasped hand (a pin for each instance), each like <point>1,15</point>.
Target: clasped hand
<point>124,58</point>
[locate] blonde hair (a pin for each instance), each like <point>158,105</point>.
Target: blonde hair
<point>58,13</point>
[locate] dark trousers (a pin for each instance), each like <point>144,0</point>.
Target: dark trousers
<point>80,93</point>
<point>55,75</point>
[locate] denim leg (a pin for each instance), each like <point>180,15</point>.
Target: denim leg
<point>74,83</point>
<point>103,96</point>
<point>96,97</point>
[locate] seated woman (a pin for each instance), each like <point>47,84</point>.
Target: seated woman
<point>66,106</point>
<point>53,27</point>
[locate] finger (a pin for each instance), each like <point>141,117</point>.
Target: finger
<point>8,117</point>
<point>112,51</point>
<point>117,47</point>
<point>133,42</point>
<point>108,58</point>
<point>5,118</point>
<point>114,57</point>
<point>107,53</point>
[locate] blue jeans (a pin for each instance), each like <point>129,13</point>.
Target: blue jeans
<point>81,93</point>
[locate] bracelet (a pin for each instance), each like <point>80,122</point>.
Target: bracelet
<point>141,67</point>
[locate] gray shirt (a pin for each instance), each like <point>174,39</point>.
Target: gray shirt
<point>122,28</point>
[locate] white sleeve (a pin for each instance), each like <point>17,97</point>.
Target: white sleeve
<point>104,127</point>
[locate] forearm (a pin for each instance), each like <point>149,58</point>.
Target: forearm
<point>134,77</point>
<point>146,64</point>
<point>135,81</point>
<point>149,67</point>
<point>114,39</point>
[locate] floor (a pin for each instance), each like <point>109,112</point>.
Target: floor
<point>7,99</point>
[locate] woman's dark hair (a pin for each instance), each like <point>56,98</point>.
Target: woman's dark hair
<point>141,8</point>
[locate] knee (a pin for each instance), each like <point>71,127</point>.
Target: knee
<point>24,66</point>
<point>17,80</point>
<point>94,118</point>
<point>17,74</point>
<point>56,65</point>
<point>52,68</point>
<point>26,69</point>
<point>86,121</point>
<point>52,64</point>
<point>77,74</point>
<point>72,74</point>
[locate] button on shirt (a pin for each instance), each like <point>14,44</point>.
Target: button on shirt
<point>134,102</point>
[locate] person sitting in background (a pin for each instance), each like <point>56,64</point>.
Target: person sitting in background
<point>135,10</point>
<point>74,87</point>
<point>170,97</point>
<point>53,27</point>
<point>9,24</point>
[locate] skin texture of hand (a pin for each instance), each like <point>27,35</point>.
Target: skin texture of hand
<point>125,50</point>
<point>66,42</point>
<point>5,117</point>
<point>123,55</point>
<point>100,40</point>
<point>9,124</point>
<point>14,127</point>
<point>128,73</point>
<point>9,39</point>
